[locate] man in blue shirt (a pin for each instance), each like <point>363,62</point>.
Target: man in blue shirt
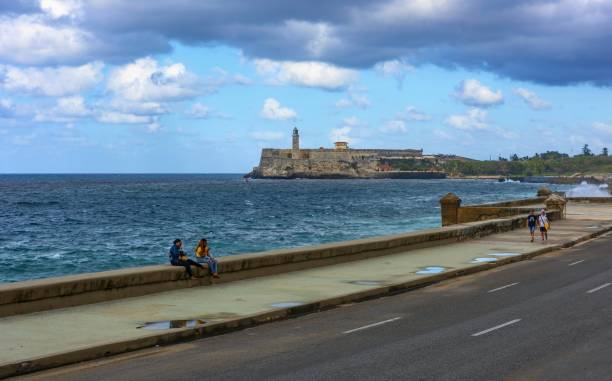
<point>178,258</point>
<point>531,223</point>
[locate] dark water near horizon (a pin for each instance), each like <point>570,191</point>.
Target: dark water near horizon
<point>54,225</point>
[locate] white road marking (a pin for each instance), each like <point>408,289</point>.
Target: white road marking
<point>496,327</point>
<point>575,263</point>
<point>598,288</point>
<point>502,287</point>
<point>371,325</point>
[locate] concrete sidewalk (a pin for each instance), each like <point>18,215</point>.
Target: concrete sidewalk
<point>27,339</point>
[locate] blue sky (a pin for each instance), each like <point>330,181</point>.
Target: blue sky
<point>198,86</point>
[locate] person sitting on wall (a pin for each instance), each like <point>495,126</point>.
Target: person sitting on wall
<point>179,258</point>
<point>202,252</point>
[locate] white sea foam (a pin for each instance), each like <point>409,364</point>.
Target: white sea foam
<point>589,190</point>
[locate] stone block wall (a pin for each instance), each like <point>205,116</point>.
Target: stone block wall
<point>61,292</point>
<point>481,213</point>
<point>453,213</point>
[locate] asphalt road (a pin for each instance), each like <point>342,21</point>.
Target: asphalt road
<point>549,318</point>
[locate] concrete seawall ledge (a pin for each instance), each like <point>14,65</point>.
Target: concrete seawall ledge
<point>61,292</point>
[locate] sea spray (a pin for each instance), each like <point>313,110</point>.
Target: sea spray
<point>589,190</point>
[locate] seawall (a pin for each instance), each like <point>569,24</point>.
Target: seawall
<point>60,292</point>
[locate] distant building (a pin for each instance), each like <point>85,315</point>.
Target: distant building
<point>338,162</point>
<point>341,145</point>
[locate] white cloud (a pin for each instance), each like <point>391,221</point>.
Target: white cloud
<point>73,106</point>
<point>341,134</point>
<point>154,127</point>
<point>412,113</point>
<point>531,98</point>
<point>603,127</point>
<point>272,109</point>
<point>474,119</point>
<point>222,77</point>
<point>345,132</point>
<point>51,81</point>
<point>473,93</point>
<point>354,100</point>
<point>57,9</point>
<point>6,103</point>
<point>505,133</point>
<point>266,135</point>
<point>202,111</point>
<point>7,108</point>
<point>199,111</point>
<point>396,69</point>
<point>66,110</point>
<point>317,38</point>
<point>442,134</point>
<point>30,40</point>
<point>145,80</point>
<point>403,11</point>
<point>305,73</point>
<point>113,117</point>
<point>137,108</point>
<point>394,126</point>
<point>351,121</point>
<point>398,124</point>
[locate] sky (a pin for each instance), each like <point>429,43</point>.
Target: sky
<point>197,86</point>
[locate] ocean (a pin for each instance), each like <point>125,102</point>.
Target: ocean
<point>53,225</point>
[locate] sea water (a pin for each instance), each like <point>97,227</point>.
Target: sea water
<point>54,225</point>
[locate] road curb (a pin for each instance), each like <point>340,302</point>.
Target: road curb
<point>185,334</point>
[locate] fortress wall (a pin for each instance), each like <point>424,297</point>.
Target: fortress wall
<point>288,168</point>
<point>276,153</point>
<point>332,163</point>
<point>390,152</point>
<point>329,155</point>
<point>342,154</point>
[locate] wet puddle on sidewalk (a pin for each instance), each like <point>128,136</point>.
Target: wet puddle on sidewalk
<point>431,270</point>
<point>172,324</point>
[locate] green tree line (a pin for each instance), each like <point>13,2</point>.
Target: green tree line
<point>547,163</point>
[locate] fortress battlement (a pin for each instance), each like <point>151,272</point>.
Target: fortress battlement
<point>338,162</point>
<point>332,153</point>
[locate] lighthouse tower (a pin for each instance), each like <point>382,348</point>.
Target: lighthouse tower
<point>295,147</point>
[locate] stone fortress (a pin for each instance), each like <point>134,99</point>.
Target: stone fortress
<point>344,162</point>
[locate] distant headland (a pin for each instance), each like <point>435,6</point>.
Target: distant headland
<point>343,162</point>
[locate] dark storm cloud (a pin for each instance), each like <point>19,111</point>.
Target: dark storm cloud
<point>545,41</point>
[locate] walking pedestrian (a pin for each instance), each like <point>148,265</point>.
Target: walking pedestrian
<point>544,225</point>
<point>531,223</point>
